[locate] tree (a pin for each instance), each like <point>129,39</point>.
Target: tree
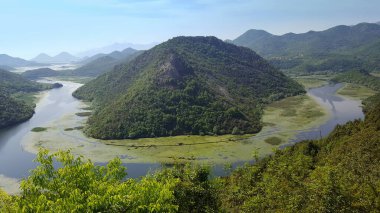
<point>80,186</point>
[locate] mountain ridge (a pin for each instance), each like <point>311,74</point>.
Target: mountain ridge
<point>61,58</point>
<point>335,49</point>
<point>9,61</point>
<point>101,63</point>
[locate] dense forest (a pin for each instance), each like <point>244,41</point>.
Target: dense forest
<point>13,110</point>
<point>339,173</point>
<point>338,49</point>
<point>187,85</point>
<point>361,77</point>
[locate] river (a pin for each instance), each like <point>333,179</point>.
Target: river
<point>16,162</point>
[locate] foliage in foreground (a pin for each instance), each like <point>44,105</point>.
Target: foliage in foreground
<point>81,186</point>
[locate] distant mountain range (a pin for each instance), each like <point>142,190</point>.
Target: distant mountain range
<point>61,58</point>
<point>337,49</point>
<point>115,47</point>
<point>8,62</point>
<point>101,63</point>
<point>91,66</point>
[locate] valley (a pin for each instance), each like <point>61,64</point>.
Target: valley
<point>190,106</point>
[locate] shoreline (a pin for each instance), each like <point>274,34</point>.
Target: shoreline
<point>209,149</point>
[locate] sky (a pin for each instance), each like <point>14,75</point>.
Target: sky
<point>29,27</point>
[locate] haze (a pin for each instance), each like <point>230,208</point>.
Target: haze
<point>32,27</point>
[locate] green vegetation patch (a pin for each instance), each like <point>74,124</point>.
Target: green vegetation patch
<point>312,82</point>
<point>83,114</point>
<point>76,79</point>
<point>194,148</point>
<point>39,129</point>
<point>356,91</point>
<point>29,98</point>
<point>274,141</point>
<point>360,77</point>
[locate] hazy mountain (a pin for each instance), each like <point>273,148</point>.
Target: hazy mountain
<point>115,47</point>
<point>334,49</point>
<point>87,59</point>
<point>5,67</point>
<point>61,58</point>
<point>39,73</point>
<point>187,85</point>
<point>101,63</point>
<point>8,61</point>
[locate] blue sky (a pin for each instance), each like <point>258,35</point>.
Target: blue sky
<point>33,26</point>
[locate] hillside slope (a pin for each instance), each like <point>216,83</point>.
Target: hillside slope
<point>337,49</point>
<point>340,173</point>
<point>187,85</point>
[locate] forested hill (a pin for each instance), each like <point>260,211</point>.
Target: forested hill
<point>187,85</point>
<point>12,110</point>
<point>337,49</point>
<point>12,82</point>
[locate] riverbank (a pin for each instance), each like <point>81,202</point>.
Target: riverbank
<point>282,121</point>
<point>355,91</point>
